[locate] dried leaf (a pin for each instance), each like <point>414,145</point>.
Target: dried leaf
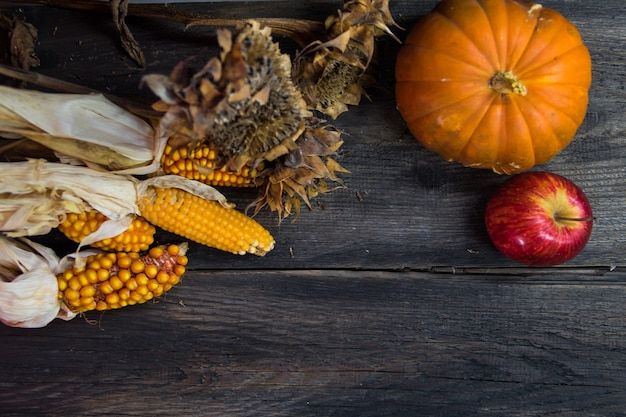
<point>22,38</point>
<point>333,72</point>
<point>119,10</point>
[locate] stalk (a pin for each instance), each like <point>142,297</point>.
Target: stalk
<point>61,86</point>
<point>301,31</point>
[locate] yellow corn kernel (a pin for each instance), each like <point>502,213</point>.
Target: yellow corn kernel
<point>138,237</point>
<point>151,271</point>
<point>88,291</point>
<point>137,266</point>
<point>205,221</point>
<point>203,164</point>
<point>106,288</point>
<point>131,284</point>
<point>116,283</point>
<point>153,285</point>
<point>122,286</point>
<point>103,275</point>
<point>163,277</point>
<point>141,279</point>
<point>71,294</point>
<point>92,276</point>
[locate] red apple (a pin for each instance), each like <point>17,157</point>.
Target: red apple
<point>539,219</point>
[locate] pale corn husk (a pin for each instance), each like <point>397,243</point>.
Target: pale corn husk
<point>36,194</point>
<point>83,129</point>
<point>191,186</point>
<point>29,293</point>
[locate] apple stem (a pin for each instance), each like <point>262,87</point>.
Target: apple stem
<point>573,219</point>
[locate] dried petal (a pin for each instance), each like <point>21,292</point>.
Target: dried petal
<point>297,175</point>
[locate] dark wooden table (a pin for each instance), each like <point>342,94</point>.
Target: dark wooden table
<point>386,299</point>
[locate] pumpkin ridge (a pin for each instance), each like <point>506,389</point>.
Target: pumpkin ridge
<point>559,110</point>
<point>470,138</point>
<point>528,123</point>
<point>450,54</point>
<point>501,58</point>
<point>513,64</point>
<point>545,43</point>
<point>470,39</point>
<point>554,135</point>
<point>439,108</point>
<point>524,72</point>
<point>477,115</point>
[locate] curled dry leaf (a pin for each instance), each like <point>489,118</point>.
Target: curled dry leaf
<point>21,40</point>
<point>333,73</point>
<point>119,11</point>
<point>303,172</point>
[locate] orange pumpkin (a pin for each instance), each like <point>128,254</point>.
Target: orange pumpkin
<point>497,84</point>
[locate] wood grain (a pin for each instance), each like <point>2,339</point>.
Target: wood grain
<point>334,343</point>
<point>402,204</point>
<point>386,299</point>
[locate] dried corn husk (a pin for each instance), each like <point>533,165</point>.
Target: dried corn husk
<point>29,294</point>
<point>191,186</point>
<point>36,195</point>
<point>82,129</point>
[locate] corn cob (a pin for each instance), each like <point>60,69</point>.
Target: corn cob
<point>204,221</point>
<point>116,279</point>
<point>203,164</point>
<point>138,237</point>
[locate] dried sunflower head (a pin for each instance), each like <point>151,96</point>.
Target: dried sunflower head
<point>333,73</point>
<point>303,172</point>
<point>245,105</point>
<point>243,101</point>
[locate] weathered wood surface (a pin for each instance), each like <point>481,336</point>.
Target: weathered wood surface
<point>334,343</point>
<point>386,299</point>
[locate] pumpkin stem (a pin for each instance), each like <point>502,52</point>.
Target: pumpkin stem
<point>504,82</point>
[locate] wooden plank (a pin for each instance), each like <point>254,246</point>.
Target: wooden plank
<point>403,206</point>
<point>334,343</point>
<point>386,299</point>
